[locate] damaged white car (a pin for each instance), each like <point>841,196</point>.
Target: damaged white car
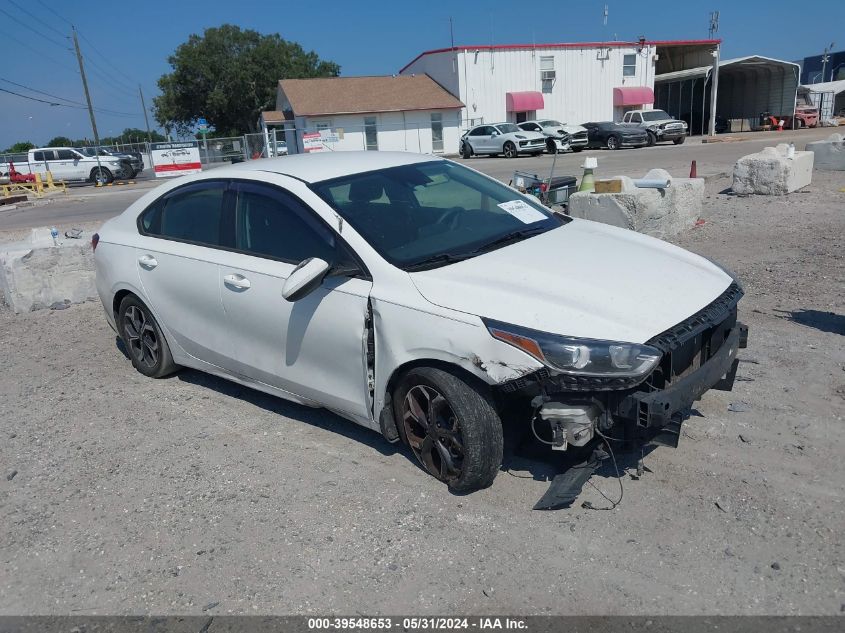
<point>417,297</point>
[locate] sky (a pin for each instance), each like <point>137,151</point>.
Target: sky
<point>127,44</point>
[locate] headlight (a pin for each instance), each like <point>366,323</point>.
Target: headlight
<point>579,356</point>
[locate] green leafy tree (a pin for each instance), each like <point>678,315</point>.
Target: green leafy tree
<point>228,76</point>
<point>20,147</point>
<point>60,141</point>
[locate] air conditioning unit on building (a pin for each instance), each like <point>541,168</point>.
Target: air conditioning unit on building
<point>547,75</point>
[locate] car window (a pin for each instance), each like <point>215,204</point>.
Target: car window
<point>432,208</point>
<point>66,154</point>
<point>507,128</point>
<point>272,223</point>
<point>480,131</point>
<point>190,214</point>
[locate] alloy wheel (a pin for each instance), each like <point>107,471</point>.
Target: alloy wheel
<point>510,150</point>
<point>141,337</point>
<point>433,432</point>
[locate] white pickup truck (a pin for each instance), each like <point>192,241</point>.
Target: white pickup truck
<point>66,163</point>
<point>659,124</point>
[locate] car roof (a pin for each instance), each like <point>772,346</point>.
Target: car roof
<point>321,166</point>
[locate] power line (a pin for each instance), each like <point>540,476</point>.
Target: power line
<point>36,31</point>
<point>47,94</point>
<point>17,94</point>
<point>65,105</point>
<point>105,58</point>
<point>54,12</point>
<point>28,45</point>
<point>37,19</point>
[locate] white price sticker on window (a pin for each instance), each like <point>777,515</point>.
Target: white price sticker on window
<point>522,211</point>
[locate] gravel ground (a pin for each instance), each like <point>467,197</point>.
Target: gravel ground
<point>124,495</point>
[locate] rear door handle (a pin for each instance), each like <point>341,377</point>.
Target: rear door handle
<point>236,281</point>
<point>148,261</point>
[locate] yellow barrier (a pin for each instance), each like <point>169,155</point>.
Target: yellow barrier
<point>22,187</point>
<point>53,185</point>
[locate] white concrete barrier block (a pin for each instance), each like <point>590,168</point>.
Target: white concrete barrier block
<point>37,276</point>
<point>829,153</point>
<point>658,212</point>
<point>771,172</point>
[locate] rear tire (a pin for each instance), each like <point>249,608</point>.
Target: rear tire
<point>612,142</point>
<point>147,348</point>
<point>451,427</point>
<point>510,150</point>
<point>680,141</point>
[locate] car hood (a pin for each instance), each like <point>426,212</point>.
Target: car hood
<point>582,279</point>
<point>569,129</point>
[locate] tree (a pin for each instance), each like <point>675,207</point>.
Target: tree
<point>228,76</point>
<point>20,147</point>
<point>60,141</point>
<point>135,135</point>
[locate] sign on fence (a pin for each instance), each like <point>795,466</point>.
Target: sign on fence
<point>175,159</point>
<point>312,142</point>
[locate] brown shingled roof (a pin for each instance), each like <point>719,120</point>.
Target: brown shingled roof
<point>351,95</point>
<point>273,116</point>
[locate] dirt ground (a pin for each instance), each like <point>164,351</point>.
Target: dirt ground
<point>133,495</point>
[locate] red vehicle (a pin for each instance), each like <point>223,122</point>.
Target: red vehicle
<point>806,115</point>
<point>16,176</point>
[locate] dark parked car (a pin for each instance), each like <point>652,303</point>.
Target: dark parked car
<point>615,135</point>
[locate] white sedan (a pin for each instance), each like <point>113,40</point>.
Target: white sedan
<point>501,138</point>
<point>418,298</point>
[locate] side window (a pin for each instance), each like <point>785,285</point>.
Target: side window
<point>66,154</point>
<point>271,223</point>
<point>191,214</point>
<point>479,131</point>
<point>636,118</point>
<point>38,156</point>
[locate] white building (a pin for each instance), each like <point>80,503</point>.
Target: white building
<point>574,83</point>
<point>412,114</point>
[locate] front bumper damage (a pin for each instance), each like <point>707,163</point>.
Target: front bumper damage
<point>699,354</point>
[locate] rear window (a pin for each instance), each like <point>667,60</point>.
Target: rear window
<point>193,214</point>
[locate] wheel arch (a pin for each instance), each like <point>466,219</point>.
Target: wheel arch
<point>386,419</point>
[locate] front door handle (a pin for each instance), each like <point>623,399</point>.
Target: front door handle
<point>236,281</point>
<point>147,261</point>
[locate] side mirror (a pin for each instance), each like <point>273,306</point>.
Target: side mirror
<point>495,133</point>
<point>305,278</point>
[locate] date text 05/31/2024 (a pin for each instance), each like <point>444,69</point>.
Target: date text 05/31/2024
<point>415,624</point>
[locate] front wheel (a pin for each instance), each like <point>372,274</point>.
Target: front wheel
<point>510,150</point>
<point>551,147</point>
<point>466,150</point>
<point>452,428</point>
<point>680,141</point>
<point>652,139</point>
<point>101,175</point>
<point>613,142</point>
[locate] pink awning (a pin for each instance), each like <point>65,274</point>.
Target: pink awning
<point>633,95</point>
<point>524,101</point>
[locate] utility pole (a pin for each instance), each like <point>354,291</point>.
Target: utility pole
<point>146,119</point>
<point>451,32</point>
<point>714,77</point>
<point>90,107</point>
<point>825,59</point>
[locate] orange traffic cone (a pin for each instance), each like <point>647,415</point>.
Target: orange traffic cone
<point>693,171</point>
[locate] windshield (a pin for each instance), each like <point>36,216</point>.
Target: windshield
<point>437,211</point>
<point>550,123</point>
<point>655,115</point>
<point>507,128</point>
